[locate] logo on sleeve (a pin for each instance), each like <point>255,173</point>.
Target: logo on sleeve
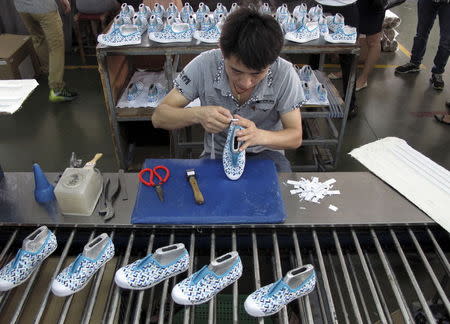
<point>185,78</point>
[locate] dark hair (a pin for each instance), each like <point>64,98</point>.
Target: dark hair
<point>255,39</point>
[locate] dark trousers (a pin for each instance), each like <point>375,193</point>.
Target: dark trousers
<point>427,10</point>
<point>351,18</point>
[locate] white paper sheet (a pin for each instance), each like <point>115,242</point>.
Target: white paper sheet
<point>13,93</point>
<point>422,181</point>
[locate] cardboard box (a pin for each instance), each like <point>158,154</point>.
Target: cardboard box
<point>18,59</point>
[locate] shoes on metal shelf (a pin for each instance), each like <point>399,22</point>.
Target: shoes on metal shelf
<point>209,30</point>
<point>36,247</point>
<point>282,13</point>
<point>165,263</point>
<point>172,33</point>
<point>220,10</point>
<point>234,7</point>
<point>315,13</point>
<point>322,93</point>
<point>156,92</point>
<point>272,298</point>
<point>158,10</point>
<point>306,32</point>
<point>186,12</point>
<point>126,11</point>
<point>300,11</point>
<point>202,9</point>
<point>144,11</point>
<point>335,22</point>
<point>290,24</point>
<point>75,277</point>
<point>265,9</point>
<point>134,90</point>
<point>306,91</point>
<point>345,35</point>
<point>233,160</point>
<point>323,26</point>
<point>171,10</point>
<point>209,280</point>
<point>305,73</point>
<point>125,32</point>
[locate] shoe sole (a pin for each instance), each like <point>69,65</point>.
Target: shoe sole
<point>153,284</point>
<point>409,71</point>
<point>207,300</point>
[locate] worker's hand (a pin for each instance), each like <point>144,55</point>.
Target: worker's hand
<point>66,6</point>
<point>251,135</point>
<point>214,119</point>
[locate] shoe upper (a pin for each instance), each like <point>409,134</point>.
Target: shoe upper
<point>205,284</point>
<point>306,90</point>
<point>233,160</point>
<point>126,11</point>
<point>172,10</point>
<point>144,11</point>
<point>158,10</point>
<point>148,271</point>
<point>265,9</point>
<point>36,247</point>
<point>335,22</point>
<point>282,13</point>
<point>323,26</point>
<point>305,73</point>
<point>270,299</point>
<point>290,24</point>
<point>315,13</point>
<point>134,90</point>
<point>322,92</point>
<point>83,268</point>
<point>176,32</point>
<point>220,10</point>
<point>155,24</point>
<point>306,32</point>
<point>186,12</point>
<point>300,11</point>
<point>343,34</point>
<point>234,7</point>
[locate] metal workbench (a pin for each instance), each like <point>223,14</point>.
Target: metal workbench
<point>378,259</point>
<point>117,65</point>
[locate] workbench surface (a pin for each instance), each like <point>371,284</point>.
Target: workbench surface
<point>364,200</point>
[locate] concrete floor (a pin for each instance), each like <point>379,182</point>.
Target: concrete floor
<point>391,106</point>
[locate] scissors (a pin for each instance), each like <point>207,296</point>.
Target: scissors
<point>154,173</point>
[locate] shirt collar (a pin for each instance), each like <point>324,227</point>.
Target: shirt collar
<point>264,89</point>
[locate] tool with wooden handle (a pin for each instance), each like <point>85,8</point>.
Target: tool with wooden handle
<point>198,196</point>
<point>92,162</point>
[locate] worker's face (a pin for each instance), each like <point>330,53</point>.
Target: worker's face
<point>241,78</point>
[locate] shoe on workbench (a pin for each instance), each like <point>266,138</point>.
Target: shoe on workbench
<point>233,160</point>
<point>36,247</point>
<point>165,263</point>
<point>209,280</point>
<point>272,298</point>
<point>76,276</point>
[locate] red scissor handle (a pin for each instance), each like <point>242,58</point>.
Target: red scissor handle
<point>154,173</point>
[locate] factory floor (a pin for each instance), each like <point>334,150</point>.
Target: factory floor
<point>400,106</point>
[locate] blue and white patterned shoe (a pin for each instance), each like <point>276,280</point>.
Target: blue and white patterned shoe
<point>158,10</point>
<point>290,24</point>
<point>76,276</point>
<point>272,298</point>
<point>322,93</point>
<point>144,11</point>
<point>172,33</point>
<point>140,23</point>
<point>305,33</point>
<point>36,247</point>
<point>202,8</point>
<point>165,263</point>
<point>126,11</point>
<point>233,160</point>
<point>193,24</point>
<point>282,13</point>
<point>186,12</point>
<point>315,13</point>
<point>155,24</point>
<point>220,10</point>
<point>305,73</point>
<point>323,26</point>
<point>156,92</point>
<point>234,7</point>
<point>265,9</point>
<point>209,31</point>
<point>345,35</point>
<point>124,35</point>
<point>171,10</point>
<point>300,11</point>
<point>209,280</point>
<point>306,91</point>
<point>335,22</point>
<point>134,90</point>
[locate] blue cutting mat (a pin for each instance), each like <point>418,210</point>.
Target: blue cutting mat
<point>253,199</point>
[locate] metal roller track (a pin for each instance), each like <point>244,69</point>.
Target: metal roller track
<point>365,275</point>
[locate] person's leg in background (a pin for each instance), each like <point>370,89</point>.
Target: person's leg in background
<point>37,35</point>
<point>441,58</point>
<point>51,25</point>
<point>426,14</point>
<point>373,45</point>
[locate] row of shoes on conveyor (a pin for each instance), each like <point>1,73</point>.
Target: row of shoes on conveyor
<point>166,262</point>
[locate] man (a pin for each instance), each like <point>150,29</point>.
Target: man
<point>43,22</point>
<point>245,80</point>
<point>427,10</point>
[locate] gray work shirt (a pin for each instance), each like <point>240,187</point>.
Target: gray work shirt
<point>278,93</point>
<point>35,6</point>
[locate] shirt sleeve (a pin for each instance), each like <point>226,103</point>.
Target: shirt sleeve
<point>188,81</point>
<point>291,94</point>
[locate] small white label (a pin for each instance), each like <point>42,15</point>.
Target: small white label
<point>333,208</point>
